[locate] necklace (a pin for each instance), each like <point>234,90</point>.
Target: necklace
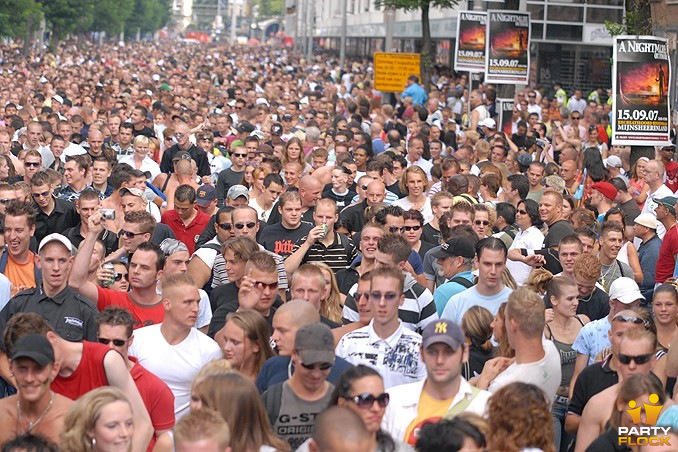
<point>39,418</point>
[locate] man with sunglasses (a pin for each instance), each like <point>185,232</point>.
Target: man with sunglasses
<point>32,164</point>
<point>602,374</point>
<point>292,406</point>
<point>444,392</point>
<point>232,175</point>
<point>386,343</point>
<point>198,154</point>
<point>54,215</point>
<point>115,330</point>
<point>636,357</point>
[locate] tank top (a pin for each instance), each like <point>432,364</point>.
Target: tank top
<point>623,255</point>
<point>90,373</point>
<point>568,356</point>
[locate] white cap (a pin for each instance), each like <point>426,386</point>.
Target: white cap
<point>613,161</point>
<point>488,122</point>
<point>58,98</point>
<point>43,80</point>
<point>156,77</point>
<point>625,290</point>
<point>261,101</point>
<point>646,219</point>
<point>55,237</point>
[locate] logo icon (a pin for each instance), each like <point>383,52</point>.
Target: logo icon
<point>441,328</point>
<point>651,411</point>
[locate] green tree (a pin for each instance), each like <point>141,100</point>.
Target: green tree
<point>68,16</point>
<point>426,49</point>
<point>147,16</point>
<point>110,15</point>
<point>269,8</point>
<point>637,20</point>
<point>16,16</point>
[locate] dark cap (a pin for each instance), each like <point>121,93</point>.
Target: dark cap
<point>181,155</point>
<point>667,201</point>
<point>276,129</point>
<point>315,344</point>
<point>245,127</point>
<point>35,347</point>
<point>454,247</point>
<point>525,159</point>
<point>442,332</point>
<point>287,117</point>
<point>206,194</point>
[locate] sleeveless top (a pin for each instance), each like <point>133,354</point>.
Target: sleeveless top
<point>568,356</point>
<point>90,373</point>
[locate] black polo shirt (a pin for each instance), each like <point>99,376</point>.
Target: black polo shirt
<point>63,216</point>
<point>109,238</point>
<point>70,314</point>
<point>353,217</point>
<point>593,379</point>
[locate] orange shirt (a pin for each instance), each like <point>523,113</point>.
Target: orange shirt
<point>22,276</point>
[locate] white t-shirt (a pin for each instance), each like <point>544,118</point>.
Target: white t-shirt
<point>176,365</point>
<point>531,239</point>
<point>461,302</point>
<point>545,373</point>
<point>426,210</point>
<point>147,164</point>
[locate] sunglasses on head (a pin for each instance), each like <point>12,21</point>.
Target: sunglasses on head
<point>639,359</point>
<point>317,366</point>
<point>630,319</point>
<point>116,342</point>
<point>119,276</point>
<point>367,400</point>
<point>249,224</point>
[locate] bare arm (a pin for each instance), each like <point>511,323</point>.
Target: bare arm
<point>294,261</point>
<point>589,426</point>
<point>78,279</point>
<point>199,271</point>
<point>634,263</point>
<point>572,423</point>
<point>118,376</point>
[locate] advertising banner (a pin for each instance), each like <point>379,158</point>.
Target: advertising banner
<point>641,81</point>
<point>507,47</point>
<point>505,110</point>
<point>469,50</point>
<point>391,70</point>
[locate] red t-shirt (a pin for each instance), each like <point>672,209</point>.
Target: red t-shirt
<point>90,373</point>
<point>157,396</point>
<point>187,234</point>
<point>671,175</point>
<point>144,315</point>
<point>667,252</point>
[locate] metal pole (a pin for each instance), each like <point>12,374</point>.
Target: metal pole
<point>310,10</point>
<point>389,19</point>
<point>233,22</point>
<point>342,44</point>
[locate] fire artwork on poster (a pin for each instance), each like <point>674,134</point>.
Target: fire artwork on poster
<point>641,91</point>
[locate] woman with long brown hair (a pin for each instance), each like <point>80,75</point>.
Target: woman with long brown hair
<point>244,339</point>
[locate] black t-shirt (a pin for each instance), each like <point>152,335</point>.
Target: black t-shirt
<point>595,307</point>
<point>229,305</point>
<point>558,230</point>
<point>424,248</point>
<point>430,235</point>
<point>340,200</point>
<point>146,131</point>
<point>280,240</point>
<point>395,189</point>
<point>227,178</point>
<point>346,278</point>
<point>593,379</point>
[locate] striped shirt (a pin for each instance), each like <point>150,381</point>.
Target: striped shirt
<point>417,311</point>
<point>337,256</point>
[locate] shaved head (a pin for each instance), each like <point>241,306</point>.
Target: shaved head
<point>302,312</point>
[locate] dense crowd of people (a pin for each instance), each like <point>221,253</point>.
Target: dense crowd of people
<point>212,249</point>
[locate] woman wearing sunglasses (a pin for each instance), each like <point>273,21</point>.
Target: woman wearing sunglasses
<point>530,238</point>
<point>361,390</point>
<point>414,227</point>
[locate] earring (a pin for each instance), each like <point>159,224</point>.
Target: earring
<point>94,443</point>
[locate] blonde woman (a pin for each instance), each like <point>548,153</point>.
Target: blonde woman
<point>141,158</point>
<point>414,184</point>
<point>332,300</point>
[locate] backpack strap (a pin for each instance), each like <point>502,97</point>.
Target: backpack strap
<point>463,281</point>
<point>462,405</point>
<point>4,257</point>
<point>273,401</point>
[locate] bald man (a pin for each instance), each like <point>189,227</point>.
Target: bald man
<point>287,319</point>
<point>353,216</point>
<point>310,190</point>
<point>353,435</point>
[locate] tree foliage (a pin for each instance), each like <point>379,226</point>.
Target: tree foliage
<point>269,8</point>
<point>110,15</point>
<point>636,22</point>
<point>68,16</point>
<point>14,16</point>
<point>147,16</point>
<point>427,51</point>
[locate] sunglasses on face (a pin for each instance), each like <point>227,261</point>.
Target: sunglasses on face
<point>116,342</point>
<point>483,222</point>
<point>378,296</point>
<point>128,234</point>
<point>4,201</point>
<point>639,359</point>
<point>249,224</point>
<point>240,155</point>
<point>317,366</point>
<point>367,400</point>
<point>411,228</point>
<point>225,226</point>
<point>179,135</point>
<point>394,229</point>
<point>32,164</point>
<point>270,286</point>
<point>522,212</point>
<point>575,118</point>
<point>118,277</point>
<point>44,194</point>
<point>359,295</point>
